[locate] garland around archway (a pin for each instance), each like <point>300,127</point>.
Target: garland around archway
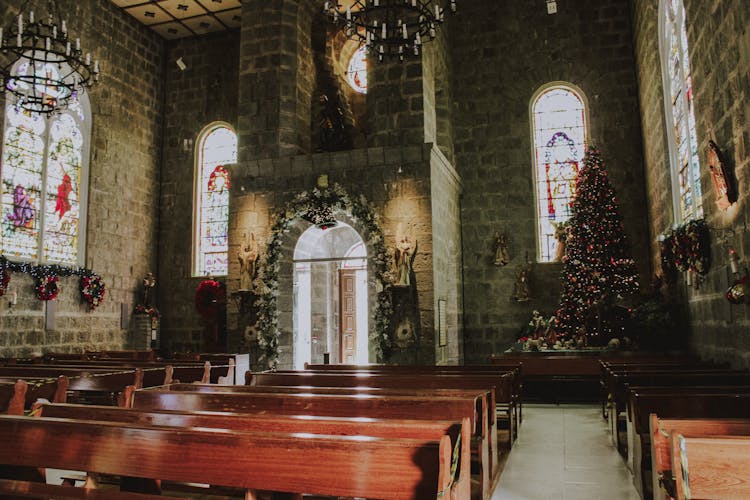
<point>306,205</point>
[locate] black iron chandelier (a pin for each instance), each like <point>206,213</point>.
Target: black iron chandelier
<point>45,67</point>
<point>390,28</point>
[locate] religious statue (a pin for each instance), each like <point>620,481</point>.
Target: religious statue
<point>522,286</point>
<point>149,282</point>
<point>501,250</point>
<point>403,259</point>
<point>248,257</point>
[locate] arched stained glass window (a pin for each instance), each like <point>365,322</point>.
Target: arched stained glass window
<point>217,148</point>
<point>559,128</point>
<point>357,71</point>
<point>679,107</point>
<point>44,176</point>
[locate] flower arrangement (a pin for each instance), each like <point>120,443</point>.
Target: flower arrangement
<point>4,280</point>
<point>309,205</point>
<point>687,248</point>
<point>46,288</point>
<point>150,310</point>
<point>92,289</point>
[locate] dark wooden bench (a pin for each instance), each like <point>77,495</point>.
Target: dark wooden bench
<point>12,397</point>
<point>665,377</point>
<point>684,402</point>
<point>709,467</point>
<point>32,389</point>
<point>512,411</point>
<point>391,428</point>
<point>661,452</point>
<point>373,467</point>
<point>13,488</point>
<point>362,406</point>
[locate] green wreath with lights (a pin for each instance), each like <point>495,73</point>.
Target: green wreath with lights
<point>308,205</point>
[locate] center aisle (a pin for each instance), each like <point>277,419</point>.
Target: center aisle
<point>564,453</point>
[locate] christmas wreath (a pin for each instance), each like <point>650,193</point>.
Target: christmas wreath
<point>92,289</point>
<point>209,296</point>
<point>4,280</point>
<point>46,288</point>
<point>687,247</point>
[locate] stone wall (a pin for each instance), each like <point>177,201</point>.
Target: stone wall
<point>719,49</point>
<point>204,93</point>
<point>394,180</point>
<point>123,186</point>
<point>498,64</point>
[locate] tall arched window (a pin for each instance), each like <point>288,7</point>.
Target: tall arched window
<point>217,148</point>
<point>679,107</point>
<point>558,117</point>
<point>44,176</point>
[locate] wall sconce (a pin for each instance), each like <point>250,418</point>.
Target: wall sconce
<point>733,261</point>
<point>187,145</point>
<point>551,7</point>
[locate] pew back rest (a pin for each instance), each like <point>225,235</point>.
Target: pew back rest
<point>710,468</point>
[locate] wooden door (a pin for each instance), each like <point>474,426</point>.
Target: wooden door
<point>348,323</point>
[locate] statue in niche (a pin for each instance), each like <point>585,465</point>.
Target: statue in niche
<point>248,257</point>
<point>149,282</point>
<point>502,257</point>
<point>403,259</point>
<point>522,286</point>
<point>332,123</point>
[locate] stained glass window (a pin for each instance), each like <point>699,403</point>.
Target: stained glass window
<point>357,71</point>
<point>559,122</point>
<point>217,148</point>
<point>679,103</point>
<point>43,176</point>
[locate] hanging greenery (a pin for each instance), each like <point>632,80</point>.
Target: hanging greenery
<point>308,205</point>
<point>687,247</point>
<point>91,285</point>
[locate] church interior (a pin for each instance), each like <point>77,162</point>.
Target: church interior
<point>500,203</point>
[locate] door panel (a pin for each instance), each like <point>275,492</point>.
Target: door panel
<point>348,323</point>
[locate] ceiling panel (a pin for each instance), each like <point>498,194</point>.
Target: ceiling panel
<point>184,18</point>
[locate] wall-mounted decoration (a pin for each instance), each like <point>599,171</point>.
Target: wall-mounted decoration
<point>687,248</point>
<point>405,336</point>
<point>403,261</point>
<point>522,292</point>
<point>502,256</point>
<point>442,323</point>
<point>248,256</point>
<point>721,176</point>
<point>737,293</point>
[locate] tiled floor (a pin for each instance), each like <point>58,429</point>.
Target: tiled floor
<point>564,452</point>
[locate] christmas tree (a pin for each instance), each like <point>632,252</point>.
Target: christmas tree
<point>597,265</point>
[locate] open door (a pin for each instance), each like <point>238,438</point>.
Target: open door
<point>348,323</point>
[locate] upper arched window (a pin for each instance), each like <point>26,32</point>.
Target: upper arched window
<point>558,117</point>
<point>357,70</point>
<point>679,104</point>
<point>217,148</point>
<point>44,175</point>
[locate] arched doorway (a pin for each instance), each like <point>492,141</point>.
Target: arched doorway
<point>330,296</point>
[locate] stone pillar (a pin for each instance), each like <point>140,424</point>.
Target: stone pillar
<point>275,79</point>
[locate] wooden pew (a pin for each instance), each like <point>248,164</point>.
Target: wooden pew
<point>661,452</point>
<point>405,429</point>
<point>362,406</point>
<point>373,467</point>
<point>513,409</point>
<point>681,403</point>
<point>12,397</point>
<point>52,389</point>
<point>667,377</point>
<point>186,371</point>
<point>13,488</point>
<point>710,468</point>
<point>499,387</point>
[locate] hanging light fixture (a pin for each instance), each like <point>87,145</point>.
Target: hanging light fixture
<point>390,28</point>
<point>46,67</point>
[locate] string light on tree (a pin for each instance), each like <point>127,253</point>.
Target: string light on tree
<point>597,265</point>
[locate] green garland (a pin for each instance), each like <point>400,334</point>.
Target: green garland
<point>304,205</point>
<point>91,285</point>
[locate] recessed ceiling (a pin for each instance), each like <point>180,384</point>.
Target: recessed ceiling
<point>184,18</point>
